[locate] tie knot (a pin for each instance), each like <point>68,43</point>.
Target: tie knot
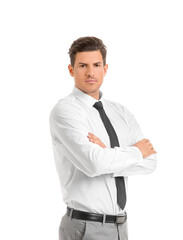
<point>98,105</point>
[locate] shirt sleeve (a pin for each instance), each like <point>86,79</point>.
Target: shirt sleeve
<point>69,132</point>
<point>144,165</point>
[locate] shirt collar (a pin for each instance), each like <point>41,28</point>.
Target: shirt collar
<point>85,98</point>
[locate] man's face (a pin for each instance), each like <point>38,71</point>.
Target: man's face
<point>88,72</point>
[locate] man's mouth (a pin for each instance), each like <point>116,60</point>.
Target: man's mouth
<point>91,80</point>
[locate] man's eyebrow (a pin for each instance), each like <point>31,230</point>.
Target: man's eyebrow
<point>81,63</point>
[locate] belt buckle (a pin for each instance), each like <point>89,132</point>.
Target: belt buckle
<point>120,219</point>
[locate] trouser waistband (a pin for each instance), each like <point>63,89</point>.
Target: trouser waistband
<point>96,217</point>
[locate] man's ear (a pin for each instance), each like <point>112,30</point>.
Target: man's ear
<point>71,70</point>
<point>105,69</point>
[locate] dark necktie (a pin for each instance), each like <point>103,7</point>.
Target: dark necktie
<point>120,184</point>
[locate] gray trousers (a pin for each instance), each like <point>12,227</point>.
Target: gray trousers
<point>74,229</point>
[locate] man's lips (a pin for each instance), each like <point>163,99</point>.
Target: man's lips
<point>91,80</point>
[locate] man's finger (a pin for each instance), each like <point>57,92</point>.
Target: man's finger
<point>92,136</point>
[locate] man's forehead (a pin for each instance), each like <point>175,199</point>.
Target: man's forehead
<point>94,56</point>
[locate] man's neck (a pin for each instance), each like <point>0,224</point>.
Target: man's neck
<point>94,94</point>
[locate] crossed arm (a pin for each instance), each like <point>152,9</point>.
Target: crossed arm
<point>143,145</point>
<point>144,166</point>
<point>69,133</point>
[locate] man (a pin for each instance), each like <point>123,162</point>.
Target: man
<point>97,144</point>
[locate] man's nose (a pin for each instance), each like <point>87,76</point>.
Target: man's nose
<point>90,72</point>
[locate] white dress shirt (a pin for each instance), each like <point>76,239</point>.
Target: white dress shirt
<point>85,169</point>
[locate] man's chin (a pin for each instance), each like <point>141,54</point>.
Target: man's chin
<point>90,90</point>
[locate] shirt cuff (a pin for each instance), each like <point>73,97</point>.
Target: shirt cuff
<point>137,157</point>
<point>139,154</point>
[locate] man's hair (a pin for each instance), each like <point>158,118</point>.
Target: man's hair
<point>85,44</point>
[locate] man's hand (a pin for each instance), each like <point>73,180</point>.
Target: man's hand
<point>145,147</point>
<point>95,139</point>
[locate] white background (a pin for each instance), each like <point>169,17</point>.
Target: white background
<point>145,57</point>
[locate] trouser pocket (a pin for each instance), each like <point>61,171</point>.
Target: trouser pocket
<point>71,229</point>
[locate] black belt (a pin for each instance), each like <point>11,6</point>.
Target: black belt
<point>96,217</point>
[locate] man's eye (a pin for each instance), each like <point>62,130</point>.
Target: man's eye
<point>83,65</point>
<point>97,65</point>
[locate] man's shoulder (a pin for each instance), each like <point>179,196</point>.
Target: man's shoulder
<point>66,105</point>
<point>116,105</point>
